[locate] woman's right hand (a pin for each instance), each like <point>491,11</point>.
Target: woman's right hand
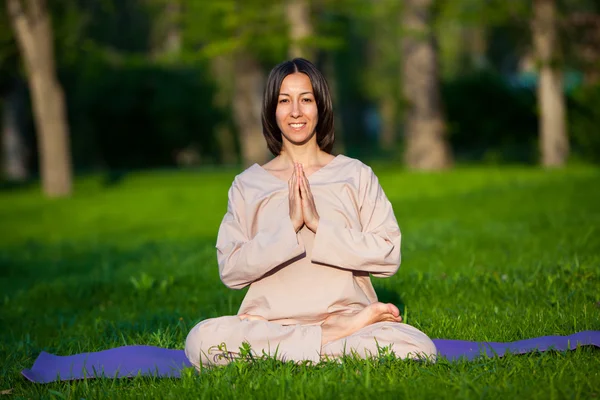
<point>295,201</point>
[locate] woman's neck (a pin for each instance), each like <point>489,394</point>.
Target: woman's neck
<point>307,156</point>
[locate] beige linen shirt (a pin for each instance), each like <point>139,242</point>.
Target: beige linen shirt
<point>302,278</point>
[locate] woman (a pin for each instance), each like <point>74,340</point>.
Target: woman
<point>305,231</point>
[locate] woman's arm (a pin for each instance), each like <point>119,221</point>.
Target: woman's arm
<point>243,260</point>
<point>375,248</point>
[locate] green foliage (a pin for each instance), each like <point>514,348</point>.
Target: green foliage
<point>495,254</point>
<point>130,108</point>
<point>9,53</point>
<point>503,27</point>
<point>584,122</point>
<point>213,28</point>
<point>378,22</point>
<point>137,114</point>
<point>489,120</point>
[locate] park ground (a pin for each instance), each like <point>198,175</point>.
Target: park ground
<point>489,254</point>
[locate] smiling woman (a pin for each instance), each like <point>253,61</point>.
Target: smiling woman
<point>305,232</point>
<point>296,112</point>
<point>288,81</point>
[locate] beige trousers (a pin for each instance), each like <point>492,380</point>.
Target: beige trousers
<point>218,341</point>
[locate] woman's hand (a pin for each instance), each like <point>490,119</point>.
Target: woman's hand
<point>309,209</point>
<point>295,201</point>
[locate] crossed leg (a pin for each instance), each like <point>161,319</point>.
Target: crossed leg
<point>216,341</point>
<point>405,341</point>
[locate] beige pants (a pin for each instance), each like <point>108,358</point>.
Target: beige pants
<point>218,341</point>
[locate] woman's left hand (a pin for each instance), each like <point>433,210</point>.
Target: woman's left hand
<point>309,209</point>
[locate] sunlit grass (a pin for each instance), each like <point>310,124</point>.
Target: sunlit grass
<point>496,254</point>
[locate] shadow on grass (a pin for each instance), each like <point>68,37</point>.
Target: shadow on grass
<point>386,295</point>
<point>76,297</point>
<point>25,266</point>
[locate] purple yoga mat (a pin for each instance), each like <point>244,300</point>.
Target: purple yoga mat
<point>130,361</point>
<point>120,362</point>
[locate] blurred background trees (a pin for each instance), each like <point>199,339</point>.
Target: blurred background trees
<point>425,123</point>
<point>178,83</point>
<point>32,26</point>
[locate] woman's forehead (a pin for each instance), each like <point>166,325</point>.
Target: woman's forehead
<point>296,83</point>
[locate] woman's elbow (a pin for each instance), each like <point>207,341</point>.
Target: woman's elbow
<point>389,267</point>
<point>231,281</point>
<point>387,271</point>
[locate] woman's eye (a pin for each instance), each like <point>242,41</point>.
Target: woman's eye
<point>283,101</point>
<point>307,100</point>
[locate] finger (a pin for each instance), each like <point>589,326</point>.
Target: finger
<point>306,197</point>
<point>297,195</point>
<point>294,180</point>
<point>301,185</point>
<point>297,187</point>
<point>304,179</point>
<point>305,186</point>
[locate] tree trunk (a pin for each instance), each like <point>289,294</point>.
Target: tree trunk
<point>554,143</point>
<point>477,47</point>
<point>222,70</point>
<point>425,127</point>
<point>33,30</point>
<point>172,43</point>
<point>298,17</point>
<point>387,110</point>
<point>167,30</point>
<point>14,151</point>
<point>328,69</point>
<point>247,105</point>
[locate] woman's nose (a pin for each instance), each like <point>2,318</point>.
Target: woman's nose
<point>296,109</point>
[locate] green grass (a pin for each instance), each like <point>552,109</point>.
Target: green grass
<point>488,254</point>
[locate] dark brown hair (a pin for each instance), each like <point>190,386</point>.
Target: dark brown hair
<point>324,130</point>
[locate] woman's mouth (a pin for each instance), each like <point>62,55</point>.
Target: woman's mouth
<point>298,126</point>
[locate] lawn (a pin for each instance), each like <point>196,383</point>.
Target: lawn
<point>498,254</point>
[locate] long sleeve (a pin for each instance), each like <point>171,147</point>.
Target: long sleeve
<point>243,259</point>
<point>375,248</point>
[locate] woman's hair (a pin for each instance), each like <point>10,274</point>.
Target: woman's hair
<point>324,130</point>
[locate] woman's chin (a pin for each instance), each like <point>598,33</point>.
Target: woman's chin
<point>298,138</point>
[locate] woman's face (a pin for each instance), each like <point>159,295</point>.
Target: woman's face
<point>296,112</point>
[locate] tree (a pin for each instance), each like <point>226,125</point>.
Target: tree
<point>383,59</point>
<point>246,35</point>
<point>425,128</point>
<point>247,101</point>
<point>14,149</point>
<point>554,144</point>
<point>166,30</point>
<point>33,30</point>
<point>13,95</point>
<point>298,17</point>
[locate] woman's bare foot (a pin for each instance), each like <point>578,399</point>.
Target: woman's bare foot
<point>250,317</point>
<point>339,325</point>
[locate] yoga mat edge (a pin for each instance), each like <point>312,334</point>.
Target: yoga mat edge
<point>136,360</point>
